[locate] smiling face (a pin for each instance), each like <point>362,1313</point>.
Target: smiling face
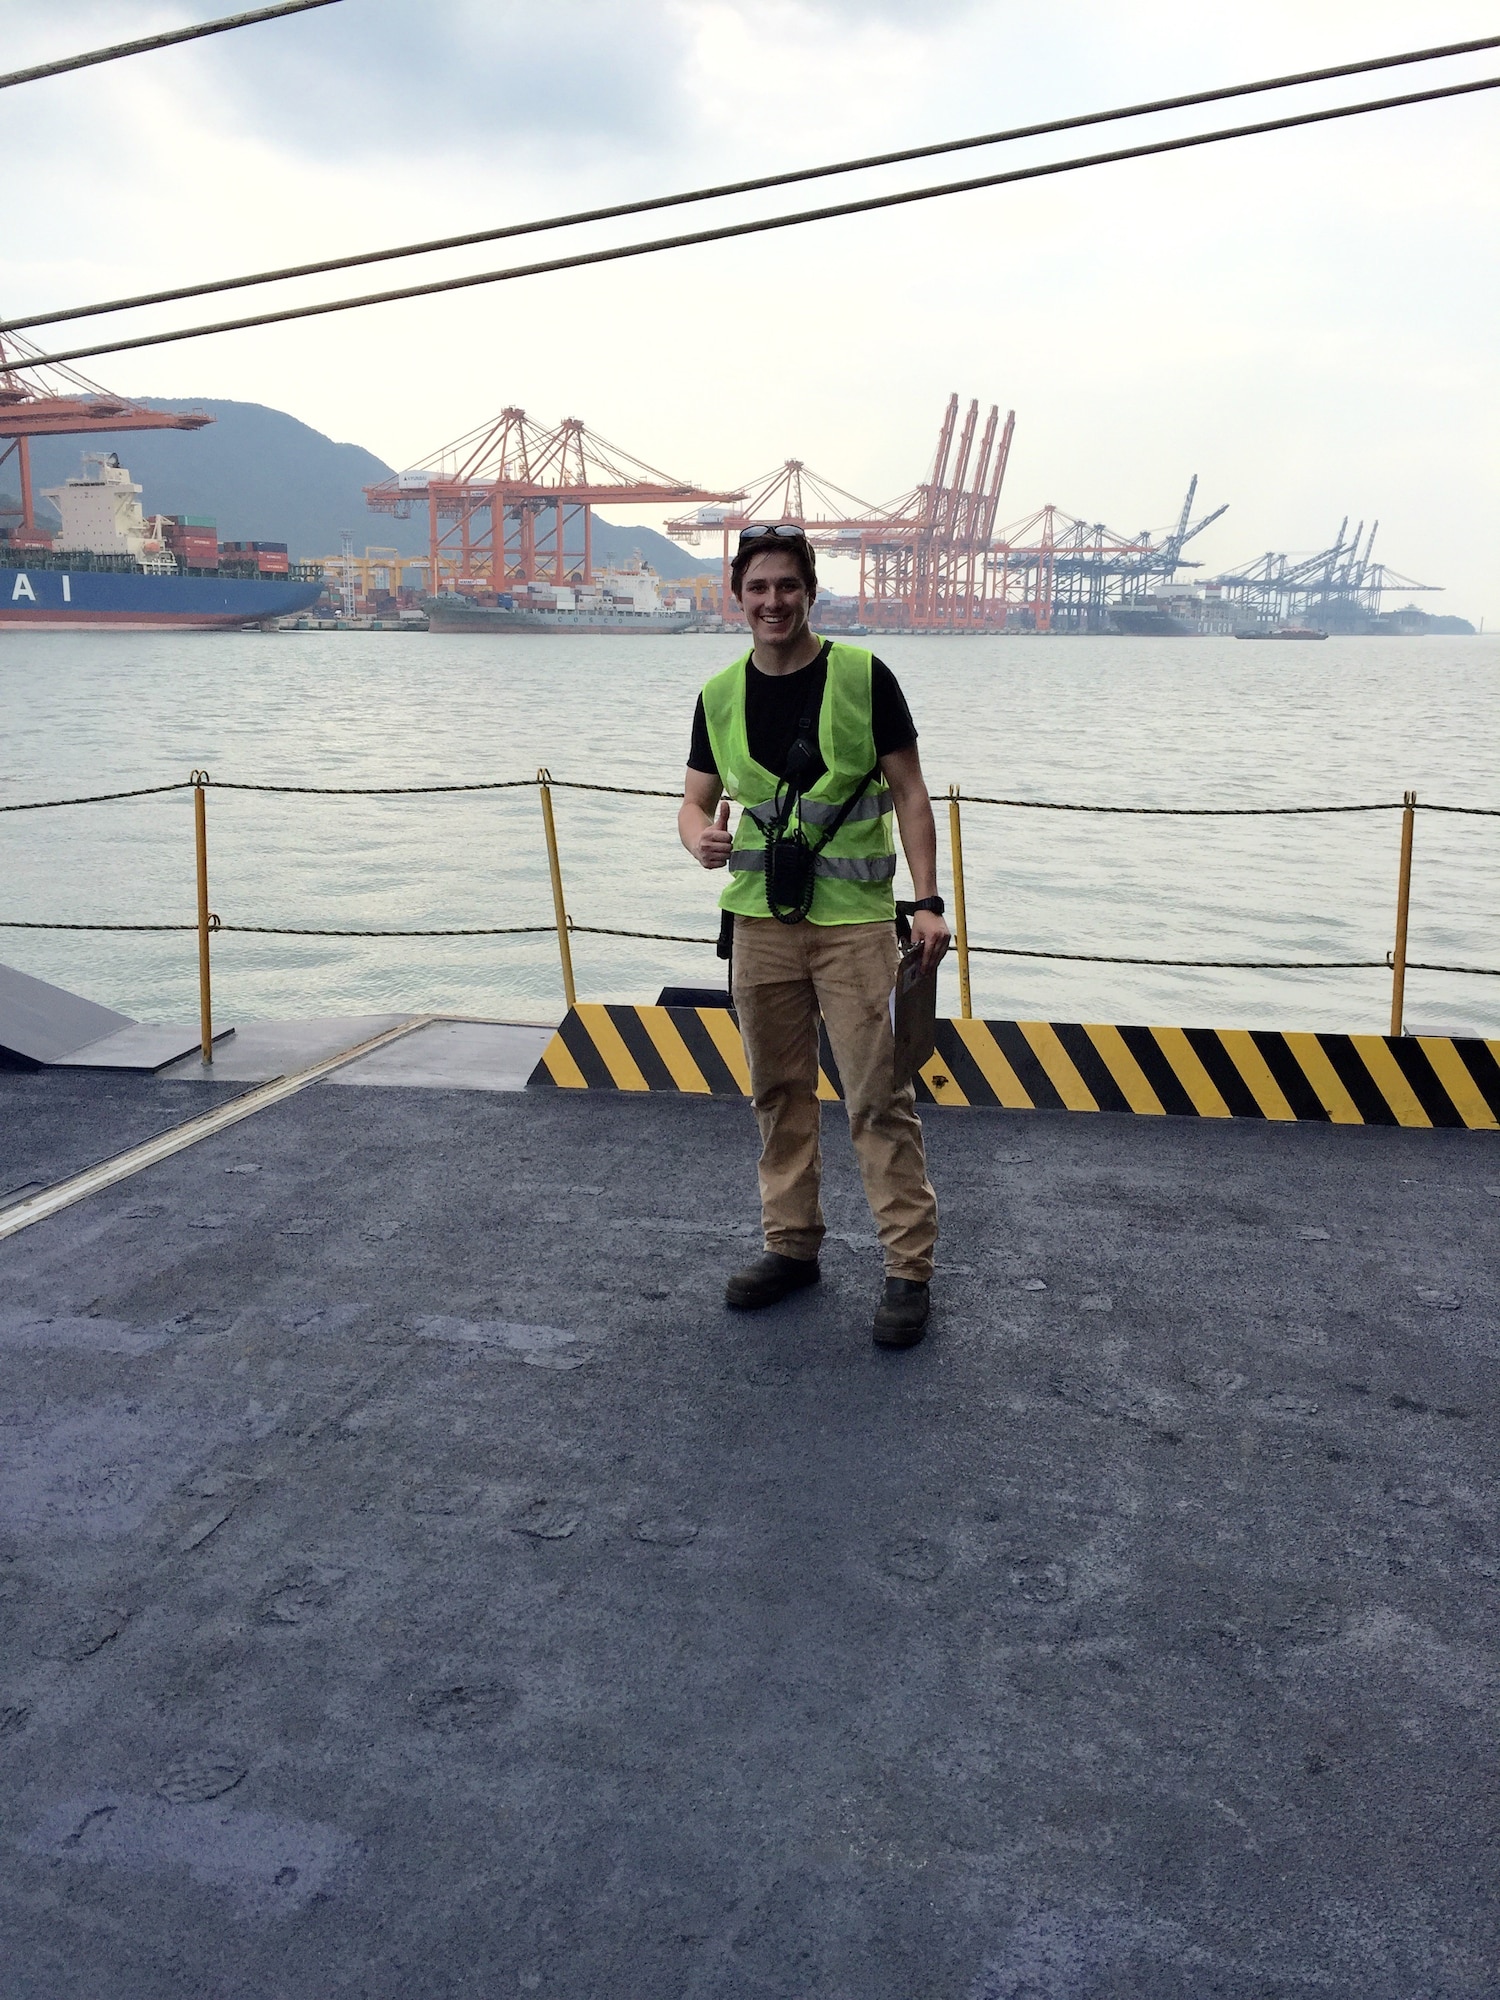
<point>775,599</point>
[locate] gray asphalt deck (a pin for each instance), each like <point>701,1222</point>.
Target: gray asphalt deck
<point>416,1583</point>
<point>54,1123</point>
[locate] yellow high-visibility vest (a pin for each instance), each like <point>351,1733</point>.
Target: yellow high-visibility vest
<point>856,871</point>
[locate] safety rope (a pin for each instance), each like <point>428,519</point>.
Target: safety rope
<point>94,798</point>
<point>678,937</point>
<point>1190,812</point>
<point>622,791</point>
<point>24,924</point>
<point>221,929</point>
<point>1237,964</point>
<point>1213,964</point>
<point>298,930</point>
<point>655,937</point>
<point>371,791</point>
<point>650,792</point>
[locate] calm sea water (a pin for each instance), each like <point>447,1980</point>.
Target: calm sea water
<point>1099,720</point>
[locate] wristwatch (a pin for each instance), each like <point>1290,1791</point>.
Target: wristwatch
<point>933,903</point>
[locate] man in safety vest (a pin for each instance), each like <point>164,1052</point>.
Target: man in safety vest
<point>815,743</point>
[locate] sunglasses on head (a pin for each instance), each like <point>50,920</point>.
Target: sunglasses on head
<point>759,531</point>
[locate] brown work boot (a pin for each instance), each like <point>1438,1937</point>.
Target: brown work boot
<point>769,1279</point>
<point>901,1316</point>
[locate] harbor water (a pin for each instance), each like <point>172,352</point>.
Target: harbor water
<point>1099,721</point>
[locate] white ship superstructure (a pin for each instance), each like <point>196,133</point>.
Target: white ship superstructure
<point>101,514</point>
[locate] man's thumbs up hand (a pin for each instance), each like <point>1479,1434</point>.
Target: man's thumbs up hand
<point>715,841</point>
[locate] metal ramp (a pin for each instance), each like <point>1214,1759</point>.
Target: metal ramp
<point>43,1026</point>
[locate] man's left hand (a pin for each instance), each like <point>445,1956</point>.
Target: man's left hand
<point>931,932</point>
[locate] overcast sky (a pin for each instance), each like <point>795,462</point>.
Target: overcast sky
<point>1307,321</point>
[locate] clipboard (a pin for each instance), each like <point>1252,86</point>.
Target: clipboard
<point>913,1015</point>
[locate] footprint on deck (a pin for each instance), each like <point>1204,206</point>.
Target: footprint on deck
<point>299,1596</point>
<point>549,1520</point>
<point>915,1558</point>
<point>1039,1581</point>
<point>194,1780</point>
<point>78,1634</point>
<point>669,1532</point>
<point>449,1500</point>
<point>465,1705</point>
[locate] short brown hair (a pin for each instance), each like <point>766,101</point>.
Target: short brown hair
<point>795,546</point>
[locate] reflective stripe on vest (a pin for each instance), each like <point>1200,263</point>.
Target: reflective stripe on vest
<point>823,812</point>
<point>853,876</point>
<point>833,867</point>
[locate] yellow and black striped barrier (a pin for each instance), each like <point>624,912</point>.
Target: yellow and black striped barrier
<point>1413,1080</point>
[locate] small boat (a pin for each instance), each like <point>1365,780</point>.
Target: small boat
<point>1285,632</point>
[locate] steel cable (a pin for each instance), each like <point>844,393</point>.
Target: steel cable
<point>167,40</point>
<point>759,184</point>
<point>762,226</point>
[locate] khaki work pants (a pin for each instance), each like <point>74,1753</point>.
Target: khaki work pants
<point>785,975</point>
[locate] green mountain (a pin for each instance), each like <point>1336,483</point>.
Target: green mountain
<point>265,476</point>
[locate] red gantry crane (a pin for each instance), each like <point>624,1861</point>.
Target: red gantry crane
<point>512,502</point>
<point>922,558</point>
<point>56,402</point>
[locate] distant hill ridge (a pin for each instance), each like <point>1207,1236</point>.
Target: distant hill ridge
<point>265,476</point>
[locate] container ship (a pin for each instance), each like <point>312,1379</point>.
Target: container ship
<point>110,564</point>
<point>617,600</point>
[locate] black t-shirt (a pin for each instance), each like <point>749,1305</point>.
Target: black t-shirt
<point>774,706</point>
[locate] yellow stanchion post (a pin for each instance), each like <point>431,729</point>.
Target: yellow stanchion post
<point>1403,911</point>
<point>200,842</point>
<point>960,916</point>
<point>565,950</point>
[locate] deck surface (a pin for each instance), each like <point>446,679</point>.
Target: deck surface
<point>415,1582</point>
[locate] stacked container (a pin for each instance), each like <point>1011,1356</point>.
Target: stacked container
<point>193,539</point>
<point>266,558</point>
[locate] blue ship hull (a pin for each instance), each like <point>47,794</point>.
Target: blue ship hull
<point>80,599</point>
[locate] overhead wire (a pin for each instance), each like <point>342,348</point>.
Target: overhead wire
<point>725,189</point>
<point>148,43</point>
<point>761,226</point>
